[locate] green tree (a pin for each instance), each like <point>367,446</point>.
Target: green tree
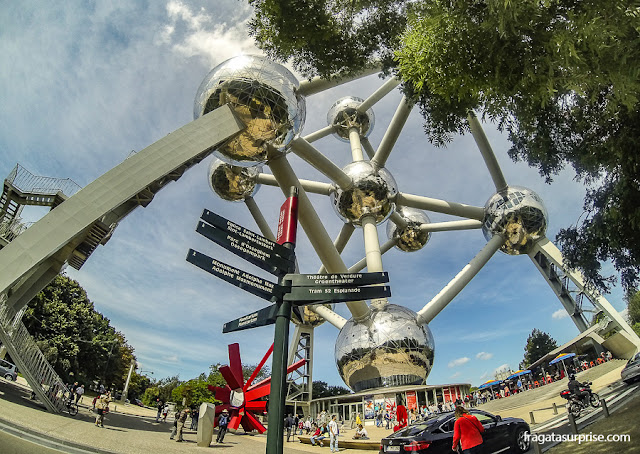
<point>322,389</point>
<point>633,310</point>
<point>78,341</point>
<point>538,344</point>
<point>558,76</point>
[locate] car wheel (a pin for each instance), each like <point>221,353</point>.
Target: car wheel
<point>522,440</point>
<point>9,377</point>
<point>594,400</point>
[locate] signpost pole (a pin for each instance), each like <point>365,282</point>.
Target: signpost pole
<point>277,397</point>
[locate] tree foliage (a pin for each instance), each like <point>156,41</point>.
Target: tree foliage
<point>559,76</point>
<point>77,340</point>
<point>633,310</point>
<point>329,36</point>
<point>538,344</point>
<point>322,389</point>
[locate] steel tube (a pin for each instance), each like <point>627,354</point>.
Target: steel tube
<point>392,133</point>
<point>356,148</point>
<point>319,134</point>
<point>488,155</point>
<point>446,295</point>
<point>318,84</point>
<point>341,241</point>
<point>362,264</point>
<point>310,154</point>
<point>380,93</point>
<point>440,206</point>
<point>451,225</point>
<point>313,227</point>
<point>315,187</point>
<point>367,147</point>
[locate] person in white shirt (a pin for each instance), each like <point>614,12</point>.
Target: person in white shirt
<point>79,392</point>
<point>333,434</point>
<point>361,433</point>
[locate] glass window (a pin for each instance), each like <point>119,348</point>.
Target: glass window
<point>483,418</point>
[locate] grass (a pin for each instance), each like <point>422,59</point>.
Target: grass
<point>623,421</point>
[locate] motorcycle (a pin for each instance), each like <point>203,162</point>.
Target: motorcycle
<point>576,404</point>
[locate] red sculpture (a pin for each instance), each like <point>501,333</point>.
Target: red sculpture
<point>240,398</point>
<point>402,417</point>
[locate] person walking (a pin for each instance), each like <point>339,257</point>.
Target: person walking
<point>223,423</point>
<point>181,418</point>
<point>79,392</point>
<point>160,406</point>
<point>467,431</point>
<point>288,424</point>
<point>102,407</point>
<point>334,431</point>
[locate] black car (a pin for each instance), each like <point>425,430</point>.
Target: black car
<point>631,371</point>
<point>435,435</point>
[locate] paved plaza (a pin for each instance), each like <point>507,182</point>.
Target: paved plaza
<point>132,429</point>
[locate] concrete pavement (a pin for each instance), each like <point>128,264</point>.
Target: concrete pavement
<point>132,429</point>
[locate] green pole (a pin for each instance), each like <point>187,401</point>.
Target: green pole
<point>278,394</point>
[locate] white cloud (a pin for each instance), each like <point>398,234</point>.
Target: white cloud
<point>484,356</point>
<point>559,314</point>
<point>454,375</point>
<point>458,362</point>
<point>501,368</point>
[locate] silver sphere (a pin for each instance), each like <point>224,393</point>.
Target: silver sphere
<point>343,114</point>
<point>233,183</point>
<point>389,349</point>
<point>310,318</point>
<point>410,238</point>
<point>372,193</point>
<point>517,213</point>
<point>264,96</point>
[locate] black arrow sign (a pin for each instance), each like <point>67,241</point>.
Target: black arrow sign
<point>257,241</point>
<point>336,280</point>
<point>246,281</point>
<point>313,295</point>
<point>263,317</point>
<point>268,261</point>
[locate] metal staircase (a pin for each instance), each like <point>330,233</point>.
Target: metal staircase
<point>299,381</point>
<point>22,188</point>
<point>24,351</point>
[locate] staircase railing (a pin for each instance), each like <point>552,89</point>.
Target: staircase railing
<point>27,182</point>
<point>43,380</point>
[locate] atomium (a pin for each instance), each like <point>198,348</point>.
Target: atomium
<point>371,193</point>
<point>264,96</point>
<point>233,183</point>
<point>344,116</point>
<point>519,215</point>
<point>391,348</point>
<point>410,237</point>
<point>381,344</point>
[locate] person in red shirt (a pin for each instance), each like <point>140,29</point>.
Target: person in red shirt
<point>467,430</point>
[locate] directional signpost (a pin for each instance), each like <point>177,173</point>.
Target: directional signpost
<point>291,291</point>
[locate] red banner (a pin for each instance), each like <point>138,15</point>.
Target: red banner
<point>412,404</point>
<point>288,221</point>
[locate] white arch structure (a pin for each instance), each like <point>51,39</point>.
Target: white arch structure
<point>70,232</point>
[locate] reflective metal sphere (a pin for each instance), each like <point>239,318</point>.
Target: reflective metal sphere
<point>519,214</point>
<point>264,96</point>
<point>409,238</point>
<point>310,318</point>
<point>231,182</point>
<point>388,349</point>
<point>344,115</point>
<point>371,193</point>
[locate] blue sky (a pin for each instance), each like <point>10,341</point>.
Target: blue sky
<point>82,84</point>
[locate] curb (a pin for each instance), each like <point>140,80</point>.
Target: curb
<point>48,441</point>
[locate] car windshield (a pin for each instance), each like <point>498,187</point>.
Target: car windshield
<point>635,358</point>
